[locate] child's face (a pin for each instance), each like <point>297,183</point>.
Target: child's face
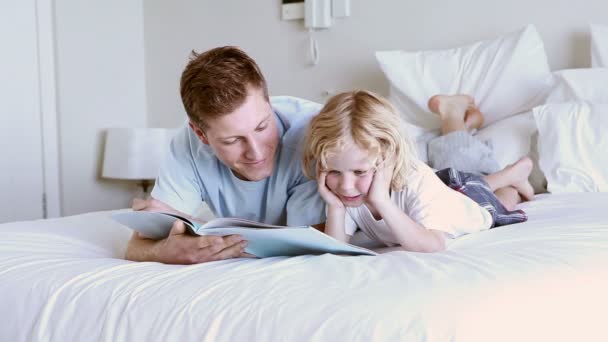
<point>350,174</point>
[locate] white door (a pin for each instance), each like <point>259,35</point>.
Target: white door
<point>21,172</point>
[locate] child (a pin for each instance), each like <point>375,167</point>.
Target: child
<point>370,179</point>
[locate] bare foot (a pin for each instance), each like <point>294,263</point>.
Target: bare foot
<point>454,106</point>
<point>509,197</point>
<point>520,171</point>
<point>473,118</point>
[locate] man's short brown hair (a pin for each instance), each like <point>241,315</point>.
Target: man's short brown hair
<point>216,82</point>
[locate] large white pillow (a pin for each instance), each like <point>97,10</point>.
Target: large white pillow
<point>599,46</point>
<point>512,138</point>
<point>506,75</point>
<point>572,144</point>
<point>588,85</point>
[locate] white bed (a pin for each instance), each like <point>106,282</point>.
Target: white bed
<point>543,280</point>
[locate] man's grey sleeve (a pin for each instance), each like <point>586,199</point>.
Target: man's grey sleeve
<point>176,184</point>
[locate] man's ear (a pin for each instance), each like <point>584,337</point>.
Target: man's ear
<point>199,132</point>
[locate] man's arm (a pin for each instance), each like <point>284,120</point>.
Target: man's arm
<point>180,247</point>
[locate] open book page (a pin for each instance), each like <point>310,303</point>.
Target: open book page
<point>224,222</point>
<point>263,240</point>
<point>153,225</point>
<point>289,241</point>
<point>192,225</point>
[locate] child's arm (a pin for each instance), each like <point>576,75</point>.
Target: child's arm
<point>411,235</point>
<point>334,225</point>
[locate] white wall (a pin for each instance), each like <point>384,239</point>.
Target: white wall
<point>21,177</point>
<point>106,78</point>
<point>100,84</point>
<point>173,28</point>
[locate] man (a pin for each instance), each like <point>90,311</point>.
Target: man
<point>239,153</point>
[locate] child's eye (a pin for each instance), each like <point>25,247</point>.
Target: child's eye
<point>361,172</point>
<point>333,172</point>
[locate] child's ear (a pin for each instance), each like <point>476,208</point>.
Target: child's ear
<point>318,168</point>
<point>319,165</point>
<point>380,163</point>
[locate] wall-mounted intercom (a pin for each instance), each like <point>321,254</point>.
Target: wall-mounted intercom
<point>295,9</point>
<point>317,14</point>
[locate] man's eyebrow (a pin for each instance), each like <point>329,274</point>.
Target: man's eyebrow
<point>264,120</point>
<point>261,122</point>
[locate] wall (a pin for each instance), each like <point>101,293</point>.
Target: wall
<point>100,84</point>
<point>119,62</point>
<point>174,28</point>
<point>21,178</point>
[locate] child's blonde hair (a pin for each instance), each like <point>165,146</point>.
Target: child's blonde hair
<point>369,121</point>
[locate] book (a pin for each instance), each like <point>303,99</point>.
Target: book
<point>264,240</point>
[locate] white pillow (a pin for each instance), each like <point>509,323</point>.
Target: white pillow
<point>572,145</point>
<point>506,75</point>
<point>579,85</point>
<point>599,46</point>
<point>512,138</point>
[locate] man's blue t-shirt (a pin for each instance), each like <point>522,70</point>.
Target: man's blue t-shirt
<point>191,173</point>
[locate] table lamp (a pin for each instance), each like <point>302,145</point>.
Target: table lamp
<point>135,153</point>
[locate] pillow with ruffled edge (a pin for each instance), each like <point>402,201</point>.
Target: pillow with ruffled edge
<point>572,144</point>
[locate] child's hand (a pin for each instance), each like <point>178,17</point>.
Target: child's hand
<point>328,196</point>
<point>380,192</point>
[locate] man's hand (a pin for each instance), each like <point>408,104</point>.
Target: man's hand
<point>152,204</point>
<point>180,247</point>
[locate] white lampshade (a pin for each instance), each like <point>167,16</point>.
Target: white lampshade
<point>135,153</point>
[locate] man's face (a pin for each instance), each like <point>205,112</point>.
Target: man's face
<point>246,139</point>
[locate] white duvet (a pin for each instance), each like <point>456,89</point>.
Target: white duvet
<point>543,280</point>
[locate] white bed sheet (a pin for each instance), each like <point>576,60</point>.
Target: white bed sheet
<point>546,279</point>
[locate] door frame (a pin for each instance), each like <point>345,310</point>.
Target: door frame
<point>45,15</point>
